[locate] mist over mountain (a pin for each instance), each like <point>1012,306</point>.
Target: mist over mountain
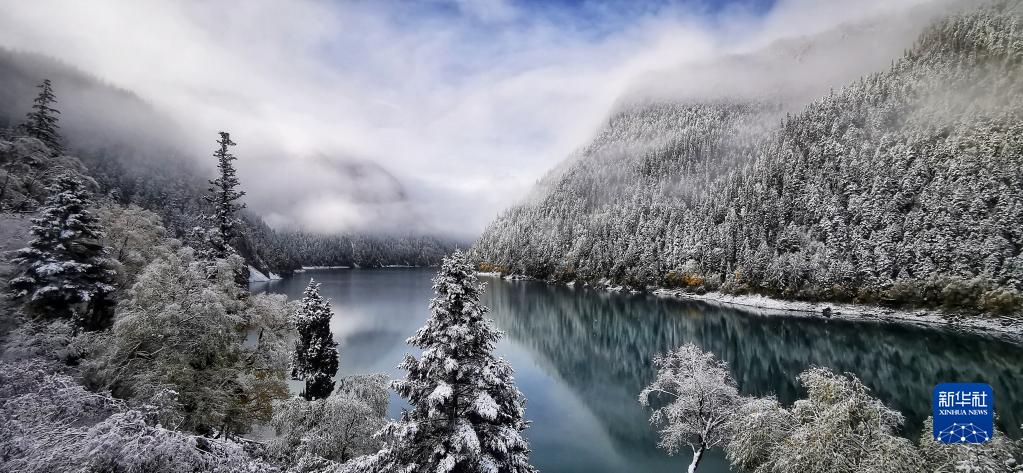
<point>139,155</point>
<point>898,187</point>
<point>117,132</point>
<point>793,70</point>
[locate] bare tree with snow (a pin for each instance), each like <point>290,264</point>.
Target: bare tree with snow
<point>467,414</point>
<point>700,397</point>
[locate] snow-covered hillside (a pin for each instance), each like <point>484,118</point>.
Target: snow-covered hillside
<point>902,187</point>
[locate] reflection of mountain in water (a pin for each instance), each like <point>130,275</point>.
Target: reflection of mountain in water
<point>602,344</point>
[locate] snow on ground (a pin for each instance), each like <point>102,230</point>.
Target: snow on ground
<point>14,231</point>
<point>256,276</point>
<point>14,234</point>
<point>1002,327</point>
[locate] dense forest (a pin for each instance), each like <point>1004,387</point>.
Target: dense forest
<point>904,187</point>
<point>131,152</point>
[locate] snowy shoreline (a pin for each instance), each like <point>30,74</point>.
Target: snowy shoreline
<point>1002,327</point>
<point>307,268</point>
<point>1007,328</point>
<point>386,266</point>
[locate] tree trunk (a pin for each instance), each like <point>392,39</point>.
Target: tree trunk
<point>697,455</point>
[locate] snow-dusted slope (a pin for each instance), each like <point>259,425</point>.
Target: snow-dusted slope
<point>904,186</point>
<point>256,275</point>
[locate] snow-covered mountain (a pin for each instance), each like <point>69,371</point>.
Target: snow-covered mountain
<point>905,185</point>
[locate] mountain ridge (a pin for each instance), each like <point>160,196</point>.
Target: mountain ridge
<point>842,201</point>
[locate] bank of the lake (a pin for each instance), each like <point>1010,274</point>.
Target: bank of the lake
<point>582,355</point>
<point>1009,328</point>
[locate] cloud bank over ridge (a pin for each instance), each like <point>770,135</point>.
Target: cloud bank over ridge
<point>400,116</point>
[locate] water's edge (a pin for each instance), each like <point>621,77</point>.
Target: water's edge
<point>1009,329</point>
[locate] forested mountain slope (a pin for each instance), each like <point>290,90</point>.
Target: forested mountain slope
<point>134,153</point>
<point>904,186</point>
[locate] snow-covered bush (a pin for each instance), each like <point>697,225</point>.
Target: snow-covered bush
<point>963,294</point>
<point>697,397</point>
<point>48,423</point>
<point>758,428</point>
<point>315,434</point>
<point>1002,301</point>
<point>838,428</point>
<point>52,342</point>
<point>999,455</point>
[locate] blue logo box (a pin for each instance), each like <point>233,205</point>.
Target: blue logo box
<point>963,412</point>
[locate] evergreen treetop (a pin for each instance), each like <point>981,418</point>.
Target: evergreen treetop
<point>65,264</point>
<point>224,195</point>
<point>41,122</point>
<point>315,359</point>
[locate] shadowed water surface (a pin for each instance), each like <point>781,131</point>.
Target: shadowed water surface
<point>581,356</point>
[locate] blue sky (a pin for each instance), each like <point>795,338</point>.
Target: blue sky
<point>590,17</point>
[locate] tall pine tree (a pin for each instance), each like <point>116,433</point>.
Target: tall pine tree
<point>66,270</point>
<point>41,122</point>
<point>224,195</point>
<point>315,358</point>
<point>467,414</point>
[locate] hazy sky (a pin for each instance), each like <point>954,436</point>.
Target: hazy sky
<point>466,103</point>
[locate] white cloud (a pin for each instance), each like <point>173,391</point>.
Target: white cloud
<point>467,110</point>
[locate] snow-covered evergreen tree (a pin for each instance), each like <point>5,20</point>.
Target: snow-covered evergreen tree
<point>41,122</point>
<point>700,398</point>
<point>315,359</point>
<point>66,270</point>
<point>223,196</point>
<point>467,414</point>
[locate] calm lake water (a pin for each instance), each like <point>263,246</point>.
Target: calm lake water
<point>581,356</point>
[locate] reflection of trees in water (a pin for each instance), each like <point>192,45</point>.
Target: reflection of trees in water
<point>601,344</point>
